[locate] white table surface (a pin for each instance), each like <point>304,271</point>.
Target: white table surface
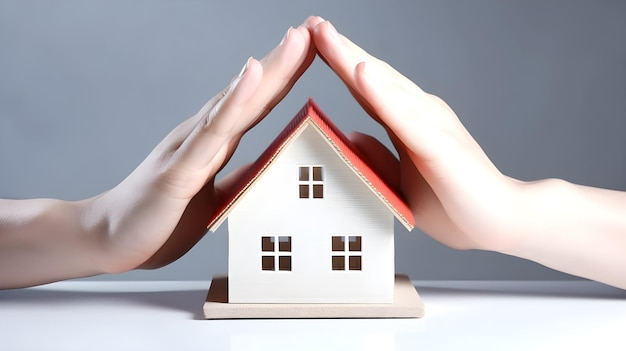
<point>463,315</point>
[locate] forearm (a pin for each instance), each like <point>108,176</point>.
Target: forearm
<point>575,229</point>
<point>44,240</point>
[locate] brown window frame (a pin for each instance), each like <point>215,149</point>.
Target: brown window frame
<point>352,253</point>
<point>311,182</point>
<point>276,253</point>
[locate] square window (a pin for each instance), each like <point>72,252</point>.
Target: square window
<point>354,263</point>
<point>339,263</point>
<point>304,191</point>
<point>284,243</point>
<point>267,263</point>
<point>338,243</point>
<point>317,174</point>
<point>304,173</point>
<point>354,243</point>
<point>284,263</point>
<point>267,244</point>
<point>311,182</point>
<point>318,191</point>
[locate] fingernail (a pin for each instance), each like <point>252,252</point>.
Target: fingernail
<point>333,31</point>
<point>244,68</point>
<point>366,73</point>
<point>235,81</point>
<point>364,69</point>
<point>286,36</point>
<point>313,21</point>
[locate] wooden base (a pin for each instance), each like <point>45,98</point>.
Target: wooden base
<point>406,304</point>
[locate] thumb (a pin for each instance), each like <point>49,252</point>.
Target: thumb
<point>381,159</point>
<point>230,183</point>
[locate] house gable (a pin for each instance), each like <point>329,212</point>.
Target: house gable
<point>311,116</point>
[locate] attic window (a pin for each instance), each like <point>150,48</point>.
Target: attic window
<point>342,253</point>
<point>276,253</point>
<point>311,182</point>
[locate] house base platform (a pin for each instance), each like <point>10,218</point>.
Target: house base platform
<point>407,304</point>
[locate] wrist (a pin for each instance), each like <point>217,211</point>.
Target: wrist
<point>94,221</point>
<point>535,213</point>
<point>502,226</point>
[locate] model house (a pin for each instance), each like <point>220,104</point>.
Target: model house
<point>311,221</point>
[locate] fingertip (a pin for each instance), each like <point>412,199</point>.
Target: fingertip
<point>252,68</point>
<point>303,30</point>
<point>226,185</point>
<point>360,68</point>
<point>254,64</point>
<point>358,138</point>
<point>286,37</point>
<point>329,30</point>
<point>328,41</point>
<point>369,145</point>
<point>295,39</point>
<point>319,37</point>
<point>256,69</point>
<point>362,80</point>
<point>301,34</point>
<point>361,144</point>
<point>360,75</point>
<point>320,28</point>
<point>378,156</point>
<point>248,81</point>
<point>309,48</point>
<point>312,21</point>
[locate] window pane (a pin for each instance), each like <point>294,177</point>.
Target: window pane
<point>304,173</point>
<point>284,243</point>
<point>267,243</point>
<point>284,263</point>
<point>318,191</point>
<point>355,243</point>
<point>355,263</point>
<point>339,263</point>
<point>317,173</point>
<point>267,263</point>
<point>338,244</point>
<point>304,191</point>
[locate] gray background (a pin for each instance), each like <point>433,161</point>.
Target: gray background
<point>88,88</point>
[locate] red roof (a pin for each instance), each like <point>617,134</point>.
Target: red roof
<point>344,148</point>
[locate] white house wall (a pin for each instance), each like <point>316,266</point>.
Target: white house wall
<point>273,208</point>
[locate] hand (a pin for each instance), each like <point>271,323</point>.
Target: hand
<point>457,195</point>
<point>161,210</point>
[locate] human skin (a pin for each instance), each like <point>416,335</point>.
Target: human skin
<point>458,196</point>
<point>161,209</point>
